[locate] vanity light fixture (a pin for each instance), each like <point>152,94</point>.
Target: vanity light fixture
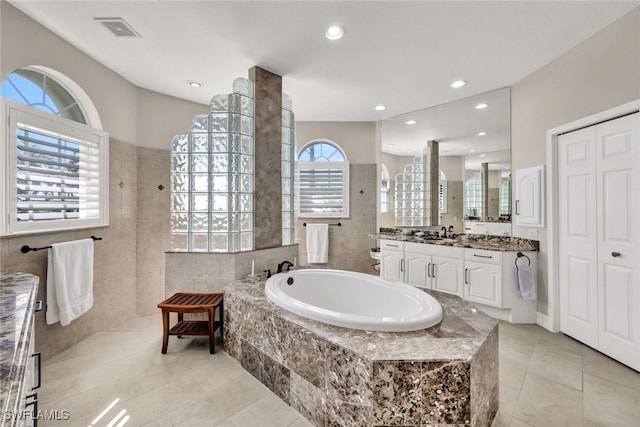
<point>381,107</point>
<point>194,83</point>
<point>410,122</point>
<point>481,106</point>
<point>483,133</point>
<point>458,83</point>
<point>334,32</point>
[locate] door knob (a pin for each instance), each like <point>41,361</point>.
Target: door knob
<point>615,254</point>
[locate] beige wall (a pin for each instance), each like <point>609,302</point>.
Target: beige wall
<point>600,73</point>
<point>357,139</point>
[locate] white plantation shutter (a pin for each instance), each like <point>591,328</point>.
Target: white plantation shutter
<point>57,175</point>
<point>321,188</point>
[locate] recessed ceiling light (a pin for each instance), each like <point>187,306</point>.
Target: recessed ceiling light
<point>194,83</point>
<point>483,155</point>
<point>381,107</point>
<point>458,83</point>
<point>472,150</point>
<point>410,122</point>
<point>483,133</point>
<point>335,32</point>
<point>481,106</point>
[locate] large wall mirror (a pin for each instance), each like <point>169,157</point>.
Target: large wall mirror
<point>474,157</point>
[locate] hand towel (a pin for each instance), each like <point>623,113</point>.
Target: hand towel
<point>318,243</point>
<point>526,283</point>
<point>69,281</point>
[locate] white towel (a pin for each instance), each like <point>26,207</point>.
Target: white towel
<point>318,243</point>
<point>526,283</point>
<point>69,281</point>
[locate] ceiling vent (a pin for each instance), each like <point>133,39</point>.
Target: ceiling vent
<point>118,27</point>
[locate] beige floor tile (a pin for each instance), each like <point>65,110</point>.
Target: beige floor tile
<point>560,364</point>
<point>607,403</point>
<point>602,366</point>
<point>226,423</point>
<point>513,367</point>
<point>546,403</point>
<point>507,403</point>
<point>518,338</point>
<point>269,411</point>
<point>202,412</point>
<point>518,423</point>
<point>301,422</point>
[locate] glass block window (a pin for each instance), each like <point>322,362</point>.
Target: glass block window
<point>55,166</point>
<point>212,173</point>
<point>473,196</point>
<point>505,196</point>
<point>323,179</point>
<point>288,158</point>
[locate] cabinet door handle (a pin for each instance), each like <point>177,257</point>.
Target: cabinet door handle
<point>466,276</point>
<point>483,256</point>
<point>433,270</point>
<point>402,264</point>
<point>517,206</point>
<point>39,356</point>
<point>38,306</point>
<point>615,254</point>
<point>429,270</point>
<point>391,246</point>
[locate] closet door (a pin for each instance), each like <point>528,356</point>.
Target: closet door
<point>577,238</point>
<point>618,190</point>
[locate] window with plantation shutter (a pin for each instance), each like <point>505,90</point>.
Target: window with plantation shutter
<point>323,181</point>
<point>55,170</point>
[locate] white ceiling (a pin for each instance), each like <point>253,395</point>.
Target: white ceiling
<point>403,54</point>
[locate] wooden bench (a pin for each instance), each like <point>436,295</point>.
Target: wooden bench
<point>183,302</point>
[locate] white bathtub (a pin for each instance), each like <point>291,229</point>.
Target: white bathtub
<point>353,300</point>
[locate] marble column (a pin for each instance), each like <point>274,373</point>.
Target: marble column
<point>268,174</point>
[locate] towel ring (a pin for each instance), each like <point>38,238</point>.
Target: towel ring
<point>521,255</point>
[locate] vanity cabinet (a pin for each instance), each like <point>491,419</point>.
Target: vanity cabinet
<point>392,260</point>
<point>435,267</point>
<point>490,282</point>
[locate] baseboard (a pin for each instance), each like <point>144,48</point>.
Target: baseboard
<point>544,321</point>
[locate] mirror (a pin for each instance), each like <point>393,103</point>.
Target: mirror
<point>469,138</point>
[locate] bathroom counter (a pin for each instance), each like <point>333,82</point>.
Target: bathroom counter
<point>473,241</point>
<point>18,293</point>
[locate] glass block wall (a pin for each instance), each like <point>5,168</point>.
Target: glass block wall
<point>212,173</point>
<point>413,193</point>
<point>288,172</point>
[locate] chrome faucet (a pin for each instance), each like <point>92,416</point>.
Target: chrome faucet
<point>283,264</point>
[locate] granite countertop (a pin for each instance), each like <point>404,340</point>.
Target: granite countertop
<point>473,241</point>
<point>458,337</point>
<point>18,293</point>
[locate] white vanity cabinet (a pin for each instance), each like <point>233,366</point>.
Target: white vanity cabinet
<point>490,283</point>
<point>392,260</point>
<point>435,267</point>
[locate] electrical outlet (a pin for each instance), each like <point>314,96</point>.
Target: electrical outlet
<point>532,232</point>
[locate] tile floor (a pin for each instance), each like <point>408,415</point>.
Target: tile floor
<point>545,380</point>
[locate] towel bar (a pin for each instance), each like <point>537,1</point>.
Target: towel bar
<point>27,248</point>
<point>337,225</point>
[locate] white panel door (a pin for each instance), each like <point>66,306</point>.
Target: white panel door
<point>392,265</point>
<point>483,283</point>
<point>577,247</point>
<point>447,275</point>
<point>618,237</point>
<point>416,270</point>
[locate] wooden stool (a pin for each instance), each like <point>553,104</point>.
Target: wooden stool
<point>192,303</point>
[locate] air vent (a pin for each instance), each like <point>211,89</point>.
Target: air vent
<point>118,27</point>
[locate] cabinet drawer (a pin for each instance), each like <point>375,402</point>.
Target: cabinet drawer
<point>392,245</point>
<point>484,256</point>
<point>434,250</point>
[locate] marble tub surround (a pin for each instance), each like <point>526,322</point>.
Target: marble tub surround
<point>445,375</point>
<point>17,302</point>
<point>474,241</point>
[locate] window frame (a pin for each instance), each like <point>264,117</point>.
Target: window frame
<point>341,165</point>
<point>14,113</point>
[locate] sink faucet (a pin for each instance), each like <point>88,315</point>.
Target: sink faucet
<point>283,264</point>
<point>450,229</point>
<point>444,231</point>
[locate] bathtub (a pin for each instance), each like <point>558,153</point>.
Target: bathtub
<point>353,300</point>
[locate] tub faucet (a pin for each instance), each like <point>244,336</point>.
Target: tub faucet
<point>444,232</point>
<point>283,264</point>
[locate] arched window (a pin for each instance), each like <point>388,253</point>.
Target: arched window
<point>323,179</point>
<point>56,165</point>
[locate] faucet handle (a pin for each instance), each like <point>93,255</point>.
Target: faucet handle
<point>268,271</point>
